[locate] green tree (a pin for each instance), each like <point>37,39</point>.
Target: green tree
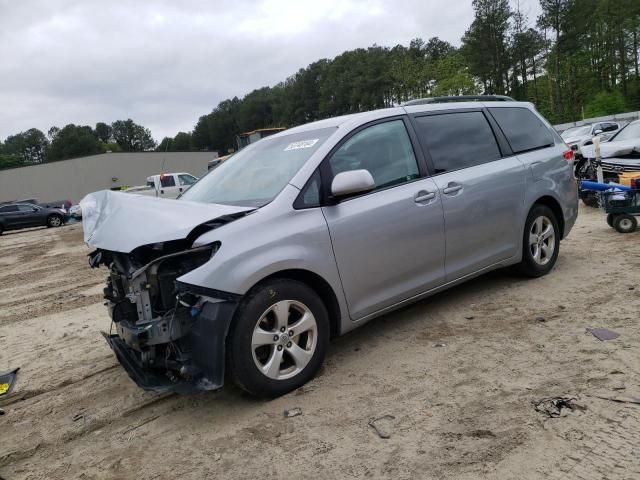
<point>132,137</point>
<point>605,103</point>
<point>182,142</point>
<point>103,132</point>
<point>74,141</point>
<point>31,145</point>
<point>485,44</point>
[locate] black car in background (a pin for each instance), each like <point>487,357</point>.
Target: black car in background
<point>15,216</point>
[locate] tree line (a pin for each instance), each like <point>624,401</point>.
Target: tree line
<point>33,146</point>
<point>577,59</point>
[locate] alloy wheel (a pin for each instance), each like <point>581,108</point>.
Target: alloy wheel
<point>284,339</point>
<point>542,240</point>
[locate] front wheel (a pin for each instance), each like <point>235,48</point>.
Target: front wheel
<point>625,223</point>
<point>278,339</point>
<point>541,242</point>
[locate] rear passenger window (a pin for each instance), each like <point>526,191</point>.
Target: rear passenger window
<point>457,140</point>
<point>8,209</point>
<point>523,129</point>
<point>167,181</point>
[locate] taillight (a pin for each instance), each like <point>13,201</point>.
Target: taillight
<point>568,155</point>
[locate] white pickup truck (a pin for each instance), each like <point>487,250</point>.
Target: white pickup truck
<point>166,185</point>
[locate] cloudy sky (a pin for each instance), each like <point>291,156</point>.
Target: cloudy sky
<point>165,62</point>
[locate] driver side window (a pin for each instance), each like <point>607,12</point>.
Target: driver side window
<point>384,150</point>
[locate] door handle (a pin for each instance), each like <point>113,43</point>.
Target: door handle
<point>423,196</point>
<point>452,188</point>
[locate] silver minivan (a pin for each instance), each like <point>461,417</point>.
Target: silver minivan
<point>312,232</point>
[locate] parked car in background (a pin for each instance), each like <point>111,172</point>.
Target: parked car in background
<point>15,216</point>
<point>577,137</point>
<point>165,185</point>
<point>620,155</point>
<point>75,212</point>
<point>61,204</point>
<point>313,231</point>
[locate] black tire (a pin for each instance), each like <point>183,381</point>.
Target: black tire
<point>1,229</point>
<point>241,361</point>
<point>610,218</point>
<point>54,221</point>
<point>625,223</point>
<point>590,201</point>
<point>529,266</point>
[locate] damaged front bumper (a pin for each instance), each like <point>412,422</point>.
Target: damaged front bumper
<point>186,358</point>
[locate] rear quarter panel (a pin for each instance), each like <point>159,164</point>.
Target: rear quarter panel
<point>551,175</point>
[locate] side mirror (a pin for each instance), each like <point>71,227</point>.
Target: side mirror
<point>598,132</point>
<point>35,209</point>
<point>352,181</point>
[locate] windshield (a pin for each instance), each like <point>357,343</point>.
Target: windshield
<point>576,131</point>
<point>630,132</point>
<point>256,174</point>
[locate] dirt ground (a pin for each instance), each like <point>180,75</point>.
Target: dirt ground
<point>453,379</point>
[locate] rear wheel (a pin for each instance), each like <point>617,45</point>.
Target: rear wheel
<point>54,221</point>
<point>625,223</point>
<point>278,339</point>
<point>541,242</point>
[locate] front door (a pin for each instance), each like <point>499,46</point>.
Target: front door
<point>482,192</point>
<point>388,243</point>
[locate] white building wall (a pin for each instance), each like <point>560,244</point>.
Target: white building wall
<point>73,179</point>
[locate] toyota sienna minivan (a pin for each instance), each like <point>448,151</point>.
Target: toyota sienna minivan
<point>316,230</point>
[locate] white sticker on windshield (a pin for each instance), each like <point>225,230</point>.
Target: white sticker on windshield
<point>301,144</point>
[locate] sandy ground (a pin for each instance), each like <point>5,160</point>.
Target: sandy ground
<point>454,378</point>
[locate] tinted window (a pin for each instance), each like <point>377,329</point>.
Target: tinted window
<point>168,181</point>
<point>457,140</point>
<point>25,208</point>
<point>8,208</point>
<point>523,129</point>
<point>610,127</point>
<point>384,150</point>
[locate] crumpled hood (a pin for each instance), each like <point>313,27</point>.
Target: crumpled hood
<point>121,222</point>
<point>613,149</point>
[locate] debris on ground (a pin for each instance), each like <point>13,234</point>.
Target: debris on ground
<point>603,334</point>
<point>77,417</point>
<point>383,425</point>
<point>7,381</point>
<point>294,412</point>
<point>541,319</point>
<point>557,406</point>
<point>1,412</point>
<point>469,317</point>
<point>440,345</point>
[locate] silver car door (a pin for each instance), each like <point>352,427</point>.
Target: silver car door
<point>388,243</point>
<point>482,192</point>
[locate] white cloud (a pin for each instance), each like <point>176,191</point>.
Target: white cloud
<point>165,63</point>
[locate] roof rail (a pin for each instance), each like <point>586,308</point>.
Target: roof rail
<point>459,98</point>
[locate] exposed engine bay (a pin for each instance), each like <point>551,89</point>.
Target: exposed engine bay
<point>158,326</point>
<point>165,333</point>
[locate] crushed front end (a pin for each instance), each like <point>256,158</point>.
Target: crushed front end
<point>166,334</point>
